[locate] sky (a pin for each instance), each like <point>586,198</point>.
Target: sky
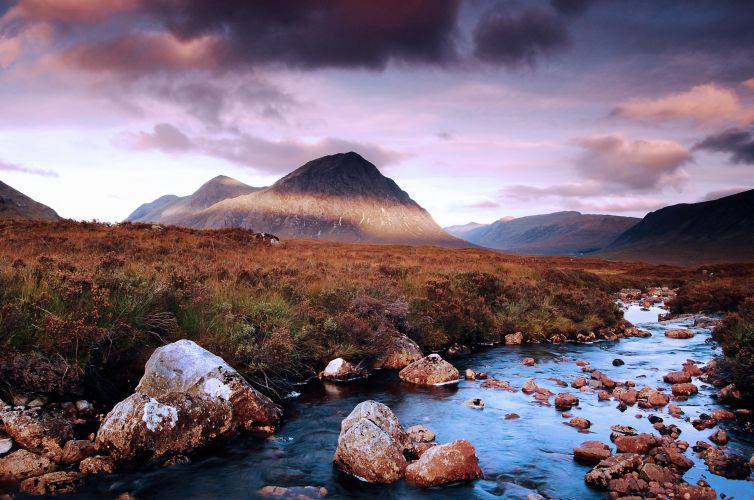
<point>479,109</point>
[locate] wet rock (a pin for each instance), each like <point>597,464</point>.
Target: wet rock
<point>340,370</point>
<point>626,396</point>
<point>580,423</point>
<point>579,382</point>
<point>420,434</point>
<point>640,443</point>
<point>721,414</point>
<point>591,455</point>
<point>624,429</point>
<point>691,368</point>
<point>603,396</point>
<point>557,381</point>
<point>679,334</point>
<point>719,437</point>
<point>448,463</point>
<point>22,464</point>
<point>187,398</point>
<point>529,361</point>
<point>40,432</point>
<point>618,362</point>
<point>730,393</point>
<point>658,399</point>
<point>726,465</point>
<point>54,483</point>
<point>581,362</point>
<point>476,404</point>
<point>371,444</point>
<point>614,467</point>
<point>688,389</point>
<point>497,384</point>
<point>512,416</point>
<point>457,350</point>
<point>176,460</point>
<point>292,493</point>
<point>97,464</point>
<point>675,411</point>
<point>565,401</point>
<point>703,422</point>
<point>430,370</point>
<point>402,352</point>
<point>469,374</point>
<point>653,472</point>
<point>677,378</point>
<point>514,338</point>
<point>691,492</point>
<point>482,376</point>
<point>77,450</point>
<point>653,419</point>
<point>529,386</point>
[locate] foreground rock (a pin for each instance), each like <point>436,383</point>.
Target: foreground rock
<point>54,483</point>
<point>187,398</point>
<point>430,370</point>
<point>371,444</point>
<point>340,370</point>
<point>447,463</point>
<point>591,452</point>
<point>401,353</point>
<point>22,464</point>
<point>40,432</point>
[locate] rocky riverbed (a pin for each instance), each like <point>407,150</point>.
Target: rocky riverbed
<point>525,409</point>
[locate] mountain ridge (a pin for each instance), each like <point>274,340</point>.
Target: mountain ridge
<point>16,205</point>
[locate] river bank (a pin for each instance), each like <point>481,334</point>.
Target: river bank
<point>532,454</point>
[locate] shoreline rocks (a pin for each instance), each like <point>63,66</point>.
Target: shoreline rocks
<point>401,353</point>
<point>340,370</point>
<point>443,464</point>
<point>430,370</point>
<point>187,398</point>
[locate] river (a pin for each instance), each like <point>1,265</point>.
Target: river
<point>518,457</point>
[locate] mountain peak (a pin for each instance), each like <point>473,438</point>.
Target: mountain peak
<point>342,175</point>
<point>16,205</point>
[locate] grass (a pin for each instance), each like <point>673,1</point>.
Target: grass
<point>82,305</point>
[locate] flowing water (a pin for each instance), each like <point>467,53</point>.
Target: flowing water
<point>518,457</point>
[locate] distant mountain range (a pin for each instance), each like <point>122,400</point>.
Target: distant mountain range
<point>709,232</point>
<point>560,233</point>
<point>16,205</point>
<point>341,197</point>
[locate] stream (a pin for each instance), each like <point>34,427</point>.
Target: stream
<point>518,457</point>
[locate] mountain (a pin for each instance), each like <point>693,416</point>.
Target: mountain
<point>709,232</point>
<point>340,197</point>
<point>462,230</point>
<point>171,209</point>
<point>560,233</point>
<point>16,205</point>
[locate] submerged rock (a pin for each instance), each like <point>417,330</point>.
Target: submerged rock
<point>340,370</point>
<point>443,464</point>
<point>187,398</point>
<point>430,370</point>
<point>457,350</point>
<point>494,383</point>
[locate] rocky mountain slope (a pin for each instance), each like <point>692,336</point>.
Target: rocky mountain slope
<point>341,197</point>
<point>709,232</point>
<point>560,233</point>
<point>16,205</point>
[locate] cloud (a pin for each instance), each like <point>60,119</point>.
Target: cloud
<point>639,165</point>
<point>722,193</point>
<point>12,167</point>
<point>272,157</point>
<point>737,142</point>
<point>519,39</point>
<point>486,204</point>
<point>630,205</point>
<point>749,84</point>
<point>324,34</point>
<point>69,11</point>
<point>703,104</point>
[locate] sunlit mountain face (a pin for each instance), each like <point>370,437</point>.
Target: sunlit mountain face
<point>478,109</point>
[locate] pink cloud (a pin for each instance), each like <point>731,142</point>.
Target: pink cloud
<point>703,104</point>
<point>722,193</point>
<point>749,83</point>
<point>69,11</point>
<point>486,204</point>
<point>12,167</point>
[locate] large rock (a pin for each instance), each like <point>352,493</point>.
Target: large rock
<point>187,398</point>
<point>402,352</point>
<point>677,377</point>
<point>371,444</point>
<point>447,463</point>
<point>640,444</point>
<point>430,370</point>
<point>687,389</point>
<point>22,464</point>
<point>340,370</point>
<point>565,401</point>
<point>40,432</point>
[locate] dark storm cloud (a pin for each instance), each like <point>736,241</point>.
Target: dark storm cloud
<point>737,142</point>
<point>571,7</point>
<point>327,33</point>
<point>520,38</point>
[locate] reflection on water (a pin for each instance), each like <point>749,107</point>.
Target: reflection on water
<point>518,457</point>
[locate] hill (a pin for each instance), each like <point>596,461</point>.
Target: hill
<point>17,206</point>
